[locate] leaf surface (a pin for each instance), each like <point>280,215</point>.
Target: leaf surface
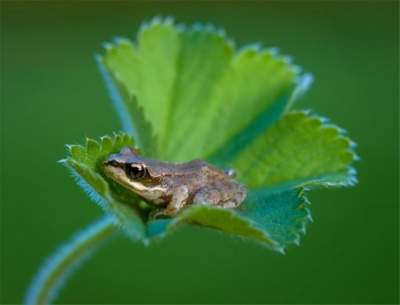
<point>300,150</point>
<point>84,163</point>
<point>185,93</point>
<point>273,220</point>
<point>198,93</point>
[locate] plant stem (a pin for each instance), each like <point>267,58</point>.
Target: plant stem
<point>56,269</point>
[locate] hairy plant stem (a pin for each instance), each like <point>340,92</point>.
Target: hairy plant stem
<point>56,269</point>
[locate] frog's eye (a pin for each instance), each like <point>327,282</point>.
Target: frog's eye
<point>113,163</point>
<point>135,171</point>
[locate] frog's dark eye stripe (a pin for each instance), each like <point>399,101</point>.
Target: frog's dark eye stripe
<point>113,163</point>
<point>135,171</point>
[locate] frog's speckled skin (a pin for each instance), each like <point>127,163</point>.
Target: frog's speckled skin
<point>173,186</point>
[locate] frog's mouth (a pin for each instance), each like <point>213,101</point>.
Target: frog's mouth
<point>116,174</point>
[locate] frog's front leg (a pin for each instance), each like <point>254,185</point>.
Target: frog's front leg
<point>179,199</point>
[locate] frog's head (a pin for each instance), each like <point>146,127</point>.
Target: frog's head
<point>132,171</point>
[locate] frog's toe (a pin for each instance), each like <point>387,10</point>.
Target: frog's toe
<point>157,214</point>
<point>162,213</point>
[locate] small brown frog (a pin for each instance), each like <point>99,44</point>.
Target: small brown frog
<point>172,186</point>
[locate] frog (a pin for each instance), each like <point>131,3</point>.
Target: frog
<point>171,187</point>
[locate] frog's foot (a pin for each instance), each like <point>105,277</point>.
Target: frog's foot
<point>161,213</point>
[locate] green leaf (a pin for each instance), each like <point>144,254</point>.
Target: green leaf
<point>300,150</point>
<point>130,112</point>
<point>283,215</point>
<point>198,93</point>
<point>84,163</point>
<point>274,220</point>
<point>225,220</point>
<point>147,72</point>
<point>185,93</point>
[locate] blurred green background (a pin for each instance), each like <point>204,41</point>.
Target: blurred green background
<point>53,94</point>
